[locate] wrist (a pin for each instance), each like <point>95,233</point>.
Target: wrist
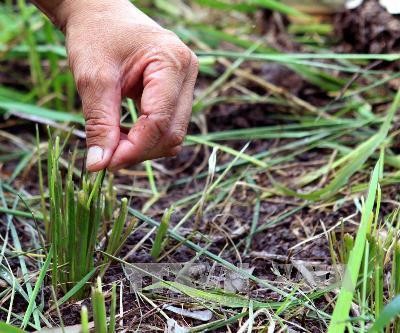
<point>61,12</point>
<point>57,11</point>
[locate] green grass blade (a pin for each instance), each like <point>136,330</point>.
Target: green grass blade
<point>6,328</point>
<point>355,160</point>
<point>390,311</point>
<point>36,289</point>
<point>76,288</point>
<point>341,311</point>
<point>113,309</point>
<point>99,309</point>
<point>288,57</point>
<point>41,112</point>
<point>84,320</point>
<point>161,233</point>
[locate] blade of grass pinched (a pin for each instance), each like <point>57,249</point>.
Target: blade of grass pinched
<point>340,314</point>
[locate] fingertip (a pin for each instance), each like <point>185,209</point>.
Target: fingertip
<point>95,167</point>
<point>97,158</point>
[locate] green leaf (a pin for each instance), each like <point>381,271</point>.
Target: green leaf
<point>99,309</point>
<point>6,328</point>
<point>340,314</point>
<point>84,320</point>
<point>390,311</point>
<point>75,288</point>
<point>354,160</point>
<point>40,112</point>
<point>35,292</point>
<point>161,233</point>
<point>217,297</point>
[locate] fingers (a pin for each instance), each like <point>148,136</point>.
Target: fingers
<point>181,118</point>
<point>162,98</point>
<point>101,100</point>
<point>170,144</point>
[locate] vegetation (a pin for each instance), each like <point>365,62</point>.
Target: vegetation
<point>78,219</point>
<point>292,158</point>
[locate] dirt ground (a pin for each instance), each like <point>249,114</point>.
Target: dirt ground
<point>366,29</point>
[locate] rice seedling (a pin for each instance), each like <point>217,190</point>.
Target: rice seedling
<point>78,217</point>
<point>161,233</point>
<point>102,324</point>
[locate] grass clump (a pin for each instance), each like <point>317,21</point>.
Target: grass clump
<point>372,274</point>
<point>78,216</point>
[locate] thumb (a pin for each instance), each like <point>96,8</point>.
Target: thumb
<point>101,100</point>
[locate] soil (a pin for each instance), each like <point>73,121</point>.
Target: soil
<point>366,29</point>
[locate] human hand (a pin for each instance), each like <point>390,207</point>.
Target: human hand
<point>116,51</point>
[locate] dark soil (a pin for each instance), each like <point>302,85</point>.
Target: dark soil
<point>366,29</point>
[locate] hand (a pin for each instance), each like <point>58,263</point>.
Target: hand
<point>116,51</point>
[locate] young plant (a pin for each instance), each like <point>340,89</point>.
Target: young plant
<point>101,324</point>
<point>79,215</point>
<point>159,241</point>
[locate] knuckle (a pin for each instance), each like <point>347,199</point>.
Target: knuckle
<point>155,125</point>
<point>174,151</point>
<point>95,116</point>
<point>194,64</point>
<point>95,78</point>
<point>176,138</point>
<point>178,55</point>
<point>185,57</point>
<point>161,122</point>
<point>97,130</point>
<point>83,81</point>
<point>100,127</point>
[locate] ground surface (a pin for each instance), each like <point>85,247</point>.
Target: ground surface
<point>295,129</point>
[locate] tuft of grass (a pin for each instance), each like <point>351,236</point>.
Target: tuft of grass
<point>77,212</point>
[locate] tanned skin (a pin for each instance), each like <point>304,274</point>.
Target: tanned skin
<point>116,51</point>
